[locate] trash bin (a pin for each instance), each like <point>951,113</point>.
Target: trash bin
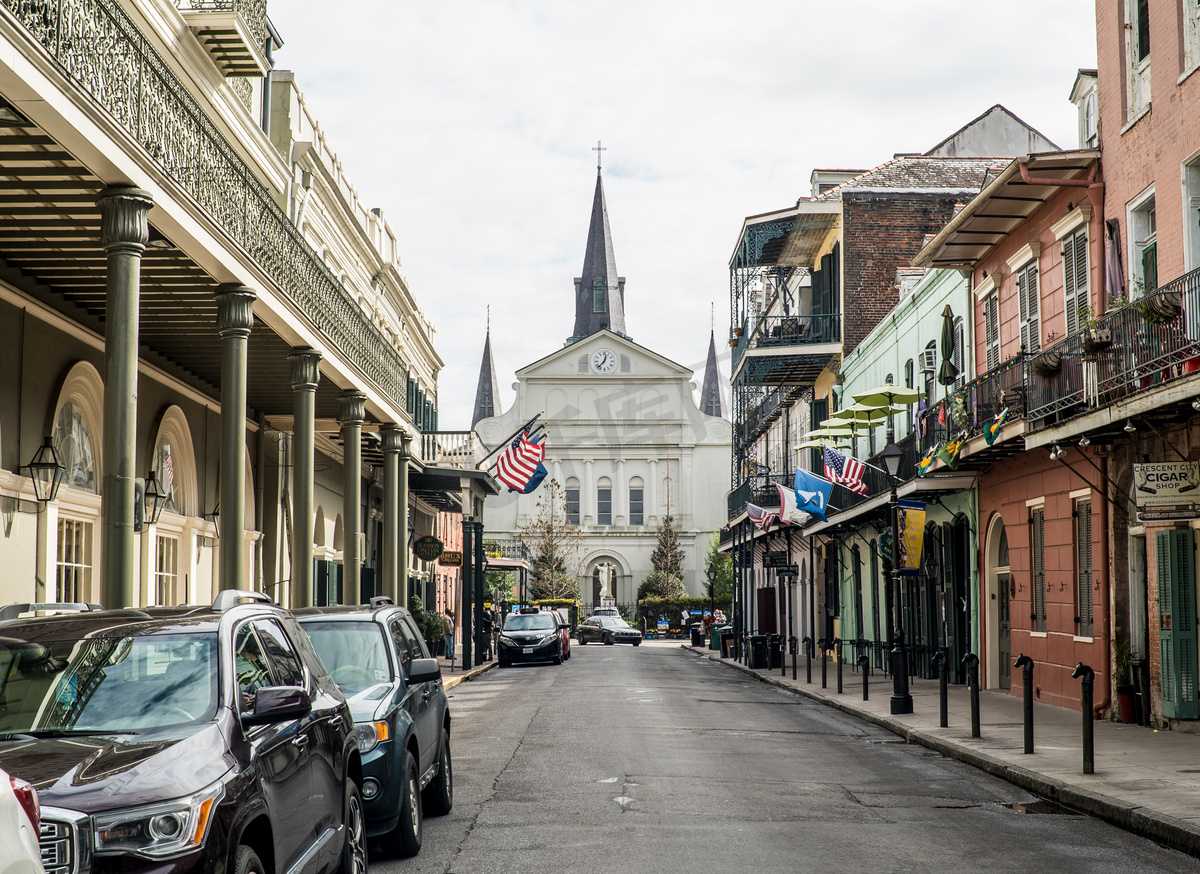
<point>758,651</point>
<point>725,636</point>
<point>714,637</point>
<point>775,650</point>
<point>697,635</point>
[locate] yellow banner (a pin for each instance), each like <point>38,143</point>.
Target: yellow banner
<point>912,536</point>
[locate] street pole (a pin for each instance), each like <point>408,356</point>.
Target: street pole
<point>902,701</point>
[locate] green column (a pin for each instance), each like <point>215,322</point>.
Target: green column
<point>402,518</point>
<point>352,414</point>
<point>124,230</point>
<point>306,373</point>
<point>389,442</point>
<point>235,318</point>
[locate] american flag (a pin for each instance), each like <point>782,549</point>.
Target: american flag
<point>761,518</point>
<point>845,470</point>
<point>518,464</point>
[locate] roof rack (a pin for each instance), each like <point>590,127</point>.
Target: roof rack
<point>14,611</point>
<point>233,597</point>
<point>382,601</point>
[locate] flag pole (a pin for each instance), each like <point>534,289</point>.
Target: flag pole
<point>508,439</point>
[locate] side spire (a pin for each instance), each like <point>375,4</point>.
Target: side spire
<point>710,391</point>
<point>599,291</point>
<point>487,394</point>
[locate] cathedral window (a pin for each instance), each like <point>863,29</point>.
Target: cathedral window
<point>604,503</point>
<point>636,502</point>
<point>583,364</point>
<point>573,501</point>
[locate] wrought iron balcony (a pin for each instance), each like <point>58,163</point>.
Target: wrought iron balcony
<point>760,490</point>
<point>974,406</point>
<point>234,32</point>
<point>1145,344</point>
<point>457,449</point>
<point>787,334</point>
<point>101,50</point>
<point>507,549</point>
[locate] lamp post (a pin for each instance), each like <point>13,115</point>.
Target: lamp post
<point>901,698</point>
<point>712,589</point>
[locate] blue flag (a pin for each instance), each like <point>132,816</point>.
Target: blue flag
<point>812,493</point>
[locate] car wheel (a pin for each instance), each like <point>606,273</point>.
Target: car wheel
<point>557,659</point>
<point>608,640</point>
<point>354,851</point>
<point>582,640</point>
<point>405,839</point>
<point>637,643</point>
<point>246,861</point>
<point>504,663</point>
<point>438,796</point>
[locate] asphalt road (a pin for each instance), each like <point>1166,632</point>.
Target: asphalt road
<point>651,759</point>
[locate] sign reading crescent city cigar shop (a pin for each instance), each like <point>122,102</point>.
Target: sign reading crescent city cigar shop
<point>1166,484</point>
<point>427,548</point>
<point>450,558</point>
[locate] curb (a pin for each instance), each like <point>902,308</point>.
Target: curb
<point>451,682</point>
<point>1166,830</point>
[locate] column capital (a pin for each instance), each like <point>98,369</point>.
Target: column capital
<point>390,436</point>
<point>352,407</point>
<point>306,371</point>
<point>405,444</point>
<point>123,216</point>
<point>235,309</point>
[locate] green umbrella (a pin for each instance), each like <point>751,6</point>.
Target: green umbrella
<point>864,414</point>
<point>948,372</point>
<point>822,443</point>
<point>830,431</point>
<point>887,395</point>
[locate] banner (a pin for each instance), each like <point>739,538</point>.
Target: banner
<point>912,535</point>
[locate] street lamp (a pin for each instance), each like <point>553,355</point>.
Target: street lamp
<point>712,588</point>
<point>155,500</point>
<point>901,698</point>
<point>46,472</point>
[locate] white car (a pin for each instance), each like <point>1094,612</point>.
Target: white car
<point>19,818</point>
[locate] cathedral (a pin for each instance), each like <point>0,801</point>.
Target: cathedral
<point>627,438</point>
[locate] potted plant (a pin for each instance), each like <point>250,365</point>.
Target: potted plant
<point>1122,653</point>
<point>1094,338</point>
<point>1159,307</point>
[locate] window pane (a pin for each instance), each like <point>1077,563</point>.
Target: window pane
<point>635,507</point>
<point>280,653</point>
<point>573,506</point>
<point>603,506</point>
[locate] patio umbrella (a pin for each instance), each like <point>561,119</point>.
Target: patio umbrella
<point>948,372</point>
<point>886,395</point>
<point>865,414</point>
<point>821,444</point>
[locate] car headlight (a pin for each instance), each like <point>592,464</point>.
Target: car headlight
<point>508,641</point>
<point>158,830</point>
<point>370,734</point>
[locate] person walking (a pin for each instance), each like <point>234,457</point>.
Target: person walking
<point>448,633</point>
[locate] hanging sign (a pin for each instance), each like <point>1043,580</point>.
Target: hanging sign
<point>427,548</point>
<point>450,558</point>
<point>1166,484</point>
<point>912,536</point>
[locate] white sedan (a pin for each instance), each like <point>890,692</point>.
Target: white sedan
<point>19,818</point>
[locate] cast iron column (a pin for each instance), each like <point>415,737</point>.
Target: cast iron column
<point>352,412</point>
<point>389,581</point>
<point>401,593</point>
<point>124,231</point>
<point>480,585</point>
<point>306,373</point>
<point>902,701</point>
<point>235,318</point>
<point>468,580</point>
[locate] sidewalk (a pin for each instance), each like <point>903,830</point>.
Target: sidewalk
<point>452,677</point>
<point>1145,781</point>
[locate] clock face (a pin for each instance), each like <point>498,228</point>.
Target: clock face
<point>604,361</point>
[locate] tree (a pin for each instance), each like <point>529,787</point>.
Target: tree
<point>722,590</point>
<point>555,545</point>
<point>667,557</point>
<point>660,585</point>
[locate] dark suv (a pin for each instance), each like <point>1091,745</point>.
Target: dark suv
<point>178,739</point>
<point>379,659</point>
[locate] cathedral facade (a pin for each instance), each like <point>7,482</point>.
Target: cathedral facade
<point>626,437</point>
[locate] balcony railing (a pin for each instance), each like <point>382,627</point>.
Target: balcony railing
<point>784,331</point>
<point>1147,343</point>
<point>104,54</point>
<point>506,549</point>
<point>457,449</point>
<point>253,12</point>
<point>974,406</point>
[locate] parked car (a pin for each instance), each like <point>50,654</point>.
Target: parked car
<point>19,821</point>
<point>607,630</point>
<point>530,637</point>
<point>382,664</point>
<point>182,739</point>
<point>564,626</point>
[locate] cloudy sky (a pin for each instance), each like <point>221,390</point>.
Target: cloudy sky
<point>471,124</point>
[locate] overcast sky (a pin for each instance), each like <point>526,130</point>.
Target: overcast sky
<point>471,124</point>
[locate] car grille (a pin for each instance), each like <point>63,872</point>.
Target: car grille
<point>65,841</point>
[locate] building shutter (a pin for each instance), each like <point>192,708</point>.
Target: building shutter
<point>1027,299</point>
<point>1037,543</point>
<point>1150,267</point>
<point>1075,280</point>
<point>1177,623</point>
<point>1083,566</point>
<point>991,328</point>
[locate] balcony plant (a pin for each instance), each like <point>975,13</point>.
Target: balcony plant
<point>1046,364</point>
<point>1122,653</point>
<point>1094,338</point>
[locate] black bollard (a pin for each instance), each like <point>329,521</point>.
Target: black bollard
<point>972,662</point>
<point>837,652</point>
<point>940,658</point>
<point>1089,752</point>
<point>808,659</point>
<point>824,667</point>
<point>863,661</point>
<point>792,645</point>
<point>1025,663</point>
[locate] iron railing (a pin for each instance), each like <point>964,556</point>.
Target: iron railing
<point>507,549</point>
<point>785,331</point>
<point>974,406</point>
<point>253,12</point>
<point>1152,341</point>
<point>102,51</point>
<point>458,449</point>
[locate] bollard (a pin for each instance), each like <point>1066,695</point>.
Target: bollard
<point>940,658</point>
<point>837,651</point>
<point>863,661</point>
<point>793,648</point>
<point>808,659</point>
<point>824,667</point>
<point>972,662</point>
<point>1089,752</point>
<point>1025,663</point>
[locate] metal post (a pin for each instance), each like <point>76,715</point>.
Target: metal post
<point>235,318</point>
<point>124,231</point>
<point>1025,663</point>
<point>389,443</point>
<point>402,548</point>
<point>1088,677</point>
<point>972,662</point>
<point>792,623</point>
<point>306,374</point>
<point>837,652</point>
<point>480,585</point>
<point>863,663</point>
<point>352,412</point>
<point>941,659</point>
<point>808,659</point>
<point>468,581</point>
<point>824,669</point>
<point>902,701</point>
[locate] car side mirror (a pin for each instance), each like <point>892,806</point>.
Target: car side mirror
<point>424,671</point>
<point>278,704</point>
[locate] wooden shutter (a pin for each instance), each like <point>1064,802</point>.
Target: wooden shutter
<point>1037,545</point>
<point>991,328</point>
<point>1177,623</point>
<point>1027,299</point>
<point>1083,566</point>
<point>1150,267</point>
<point>959,356</point>
<point>1075,279</point>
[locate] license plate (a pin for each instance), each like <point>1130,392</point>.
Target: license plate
<point>527,650</point>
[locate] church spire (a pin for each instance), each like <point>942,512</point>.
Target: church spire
<point>710,391</point>
<point>599,292</point>
<point>487,395</point>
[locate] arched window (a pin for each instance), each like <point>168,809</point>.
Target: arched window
<point>174,463</point>
<point>637,505</point>
<point>625,366</point>
<point>583,364</point>
<point>604,502</point>
<point>78,422</point>
<point>572,498</point>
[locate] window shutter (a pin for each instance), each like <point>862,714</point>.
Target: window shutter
<point>991,327</point>
<point>1083,552</point>
<point>1177,623</point>
<point>1038,565</point>
<point>1031,330</point>
<point>1150,267</point>
<point>959,354</point>
<point>1083,297</point>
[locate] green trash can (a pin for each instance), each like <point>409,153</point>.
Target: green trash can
<point>714,637</point>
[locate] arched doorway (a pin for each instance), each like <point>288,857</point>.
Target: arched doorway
<point>999,588</point>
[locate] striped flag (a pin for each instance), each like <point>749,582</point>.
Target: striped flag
<point>761,518</point>
<point>845,470</point>
<point>520,466</point>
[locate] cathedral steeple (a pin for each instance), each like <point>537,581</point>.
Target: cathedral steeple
<point>487,395</point>
<point>710,391</point>
<point>599,292</point>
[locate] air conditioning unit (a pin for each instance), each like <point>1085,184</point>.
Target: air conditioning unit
<point>929,360</point>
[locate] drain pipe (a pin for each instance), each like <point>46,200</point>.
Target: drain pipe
<point>1105,595</point>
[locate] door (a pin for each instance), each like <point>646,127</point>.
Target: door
<point>1004,637</point>
<point>1177,623</point>
<point>416,697</point>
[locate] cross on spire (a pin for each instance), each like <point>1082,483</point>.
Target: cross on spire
<point>598,149</point>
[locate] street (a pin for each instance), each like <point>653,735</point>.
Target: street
<point>652,758</point>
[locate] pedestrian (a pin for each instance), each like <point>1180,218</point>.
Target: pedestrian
<point>486,629</point>
<point>448,633</point>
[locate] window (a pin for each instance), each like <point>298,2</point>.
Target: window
<point>250,666</point>
<point>1075,280</point>
<point>1137,58</point>
<point>1141,30</point>
<point>908,383</point>
<point>1191,35</point>
<point>1143,237</point>
<point>604,503</point>
<point>573,501</point>
<point>583,364</point>
<point>166,570</point>
<point>991,329</point>
<point>73,574</point>
<point>636,502</point>
<point>1083,567</point>
<point>73,445</point>
<point>599,295</point>
<point>625,368</point>
<point>1028,302</point>
<point>280,652</point>
<point>1037,544</point>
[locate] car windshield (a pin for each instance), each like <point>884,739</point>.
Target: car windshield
<point>529,622</point>
<point>614,622</point>
<point>107,683</point>
<point>354,653</point>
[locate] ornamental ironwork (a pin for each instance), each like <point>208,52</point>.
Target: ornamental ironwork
<point>253,12</point>
<point>102,51</point>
